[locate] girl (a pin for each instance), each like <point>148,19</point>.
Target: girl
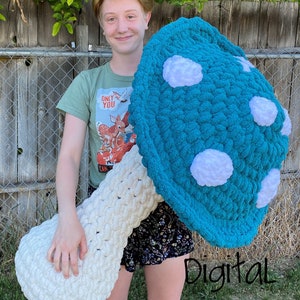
<point>99,99</point>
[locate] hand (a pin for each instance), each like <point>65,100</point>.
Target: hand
<point>69,243</point>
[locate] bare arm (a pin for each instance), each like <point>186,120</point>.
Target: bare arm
<point>69,239</point>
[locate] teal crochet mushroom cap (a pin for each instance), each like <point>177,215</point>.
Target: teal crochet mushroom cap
<point>210,130</point>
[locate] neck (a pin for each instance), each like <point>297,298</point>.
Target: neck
<point>125,65</point>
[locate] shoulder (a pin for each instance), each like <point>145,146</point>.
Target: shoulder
<point>94,72</point>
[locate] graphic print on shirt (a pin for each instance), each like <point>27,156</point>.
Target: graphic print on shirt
<point>113,128</point>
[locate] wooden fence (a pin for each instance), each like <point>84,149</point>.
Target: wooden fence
<point>252,25</point>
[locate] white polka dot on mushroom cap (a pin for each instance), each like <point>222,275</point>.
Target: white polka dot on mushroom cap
<point>211,167</point>
<point>179,71</point>
<point>246,64</point>
<point>263,110</point>
<point>269,187</point>
<point>287,124</point>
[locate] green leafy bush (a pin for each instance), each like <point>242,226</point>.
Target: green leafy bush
<point>2,17</point>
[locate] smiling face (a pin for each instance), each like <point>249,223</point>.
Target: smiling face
<point>124,24</point>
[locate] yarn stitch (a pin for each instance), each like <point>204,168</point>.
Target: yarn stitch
<point>211,150</point>
<point>108,218</point>
<point>210,130</point>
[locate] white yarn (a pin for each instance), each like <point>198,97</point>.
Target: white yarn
<point>269,187</point>
<point>211,167</point>
<point>121,202</point>
<point>246,64</point>
<point>287,124</point>
<point>180,71</point>
<point>263,110</point>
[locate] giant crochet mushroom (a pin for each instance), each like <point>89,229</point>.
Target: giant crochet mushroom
<point>211,138</point>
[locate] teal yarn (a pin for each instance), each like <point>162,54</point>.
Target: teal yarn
<point>210,130</point>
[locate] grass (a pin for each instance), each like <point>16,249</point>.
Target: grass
<point>285,274</point>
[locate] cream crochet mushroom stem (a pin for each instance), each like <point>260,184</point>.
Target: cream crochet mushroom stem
<point>121,202</point>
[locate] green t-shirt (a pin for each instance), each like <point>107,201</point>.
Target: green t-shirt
<point>101,99</point>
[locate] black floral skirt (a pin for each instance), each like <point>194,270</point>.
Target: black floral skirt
<point>160,236</point>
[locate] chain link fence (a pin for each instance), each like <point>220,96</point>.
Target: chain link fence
<point>32,82</point>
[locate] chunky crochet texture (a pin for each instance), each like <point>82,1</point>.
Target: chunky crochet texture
<point>210,130</point>
<point>212,136</point>
<point>122,201</point>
